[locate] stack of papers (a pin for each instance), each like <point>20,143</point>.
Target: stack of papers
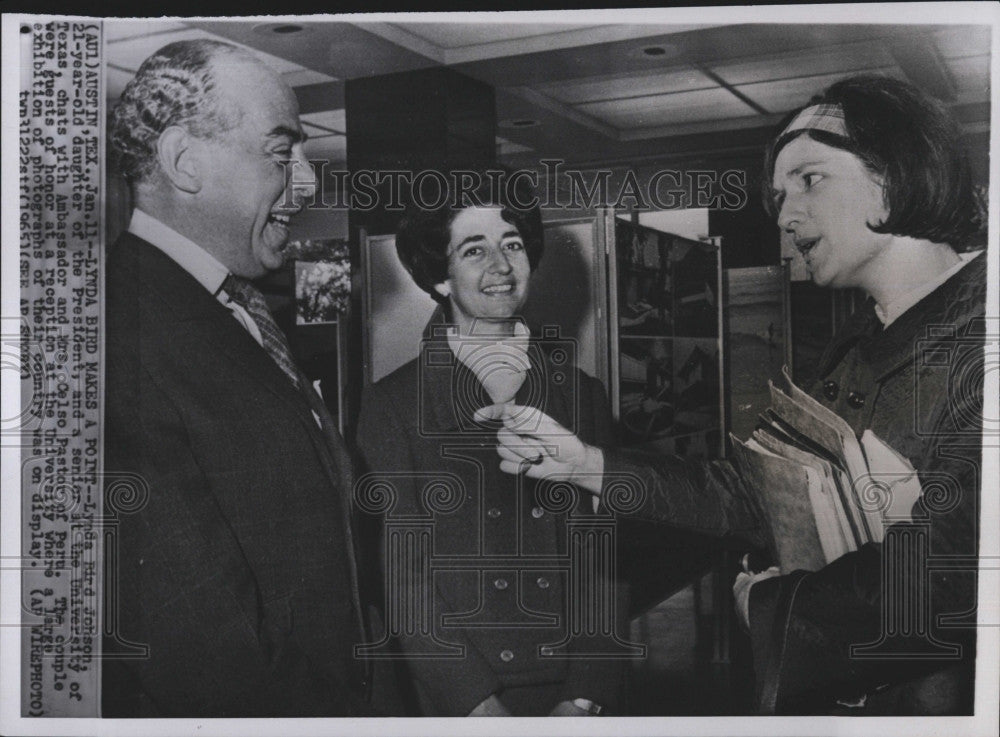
<point>824,492</point>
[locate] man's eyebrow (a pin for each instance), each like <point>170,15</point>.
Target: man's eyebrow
<point>283,131</point>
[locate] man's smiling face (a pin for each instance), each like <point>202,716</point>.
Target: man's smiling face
<point>246,189</point>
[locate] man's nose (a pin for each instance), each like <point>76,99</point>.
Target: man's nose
<point>303,179</point>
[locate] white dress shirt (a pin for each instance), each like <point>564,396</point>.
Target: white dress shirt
<point>195,260</point>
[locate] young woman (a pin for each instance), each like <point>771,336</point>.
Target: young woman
<point>873,184</point>
<point>483,639</point>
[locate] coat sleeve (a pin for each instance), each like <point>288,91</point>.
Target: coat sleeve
<point>454,685</point>
<point>600,678</point>
<point>690,494</point>
<point>185,588</point>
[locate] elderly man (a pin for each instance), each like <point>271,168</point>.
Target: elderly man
<point>238,570</point>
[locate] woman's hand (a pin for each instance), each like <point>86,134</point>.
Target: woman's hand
<point>532,443</point>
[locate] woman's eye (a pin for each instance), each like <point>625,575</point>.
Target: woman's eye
<point>472,252</point>
<point>812,179</point>
<point>514,246</point>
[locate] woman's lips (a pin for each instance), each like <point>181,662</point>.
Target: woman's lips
<point>498,289</point>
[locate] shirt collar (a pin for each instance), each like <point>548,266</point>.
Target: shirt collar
<point>191,257</point>
<point>888,314</point>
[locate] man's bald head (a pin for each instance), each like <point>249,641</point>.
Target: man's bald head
<point>177,85</point>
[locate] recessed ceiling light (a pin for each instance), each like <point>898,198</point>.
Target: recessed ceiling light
<point>519,123</point>
<point>281,29</point>
<point>657,51</point>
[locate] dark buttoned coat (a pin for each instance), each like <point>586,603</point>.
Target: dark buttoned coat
<point>500,543</point>
<point>890,627</point>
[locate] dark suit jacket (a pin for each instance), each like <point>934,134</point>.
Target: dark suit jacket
<point>416,426</point>
<point>236,564</point>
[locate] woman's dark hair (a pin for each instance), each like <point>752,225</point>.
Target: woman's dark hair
<point>913,145</point>
<point>424,232</point>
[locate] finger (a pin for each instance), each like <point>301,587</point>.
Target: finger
<point>525,445</point>
<point>490,412</point>
<point>521,455</point>
<point>518,468</point>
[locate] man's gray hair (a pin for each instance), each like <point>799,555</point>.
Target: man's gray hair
<point>174,86</point>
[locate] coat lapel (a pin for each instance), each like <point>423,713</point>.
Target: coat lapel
<point>198,313</point>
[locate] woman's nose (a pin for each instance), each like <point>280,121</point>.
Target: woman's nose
<point>790,213</point>
<point>499,262</point>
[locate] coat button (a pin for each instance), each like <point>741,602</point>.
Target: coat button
<point>506,656</point>
<point>856,400</point>
<point>537,512</point>
<point>500,584</point>
<point>493,512</point>
<point>830,390</point>
<point>543,583</point>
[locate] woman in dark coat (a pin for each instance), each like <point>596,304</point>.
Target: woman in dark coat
<point>480,604</point>
<point>872,183</point>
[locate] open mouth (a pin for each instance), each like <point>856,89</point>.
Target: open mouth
<point>499,289</point>
<point>279,219</point>
<point>805,245</point>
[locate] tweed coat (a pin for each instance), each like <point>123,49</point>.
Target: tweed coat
<point>235,564</point>
<point>416,426</point>
<point>918,386</point>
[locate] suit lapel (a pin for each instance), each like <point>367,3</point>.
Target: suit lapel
<point>182,299</point>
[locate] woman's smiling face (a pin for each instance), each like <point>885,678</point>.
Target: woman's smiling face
<point>488,268</point>
<point>826,199</point>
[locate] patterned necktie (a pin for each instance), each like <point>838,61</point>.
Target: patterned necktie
<point>247,296</point>
<point>250,299</point>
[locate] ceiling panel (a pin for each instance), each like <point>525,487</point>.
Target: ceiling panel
<point>131,52</point>
<point>326,147</point>
<point>963,41</point>
<point>619,86</point>
<point>301,77</point>
<point>332,119</point>
<point>457,35</point>
<point>660,110</point>
<point>786,94</point>
<point>117,30</point>
<point>115,82</point>
<point>843,59</point>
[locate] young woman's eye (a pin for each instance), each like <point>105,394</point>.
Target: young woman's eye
<point>812,179</point>
<point>472,252</point>
<point>514,246</point>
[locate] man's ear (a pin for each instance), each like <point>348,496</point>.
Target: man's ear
<point>177,155</point>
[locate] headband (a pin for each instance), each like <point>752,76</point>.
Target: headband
<point>822,117</point>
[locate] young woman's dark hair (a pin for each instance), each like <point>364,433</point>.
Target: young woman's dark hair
<point>424,233</point>
<point>913,145</point>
